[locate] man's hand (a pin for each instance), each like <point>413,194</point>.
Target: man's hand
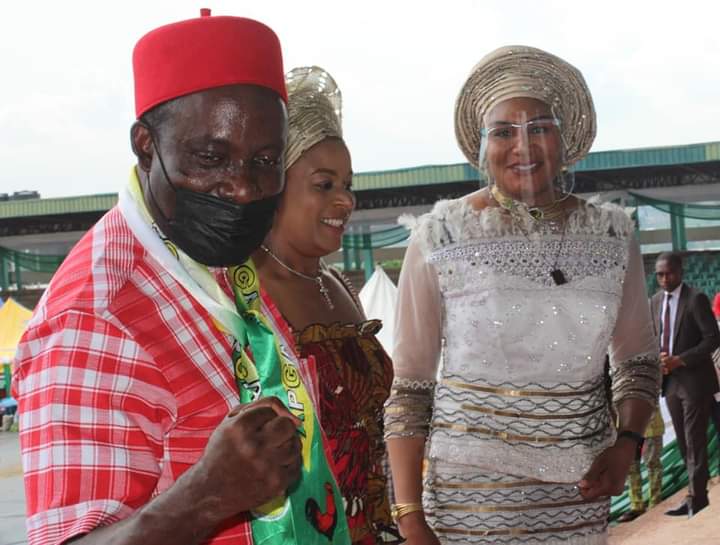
<point>253,456</point>
<point>606,476</point>
<point>669,363</point>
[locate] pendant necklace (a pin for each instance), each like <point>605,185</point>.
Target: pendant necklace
<point>318,279</point>
<point>550,212</point>
<point>544,213</point>
<point>557,275</point>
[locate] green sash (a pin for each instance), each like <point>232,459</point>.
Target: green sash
<point>313,512</point>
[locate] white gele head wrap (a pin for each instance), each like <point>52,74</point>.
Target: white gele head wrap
<point>314,110</point>
<point>520,71</point>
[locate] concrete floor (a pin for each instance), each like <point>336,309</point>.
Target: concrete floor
<point>12,494</point>
<point>656,528</point>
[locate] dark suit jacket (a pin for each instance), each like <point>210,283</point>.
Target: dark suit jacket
<point>695,337</point>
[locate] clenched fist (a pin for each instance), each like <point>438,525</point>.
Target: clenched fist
<point>253,456</point>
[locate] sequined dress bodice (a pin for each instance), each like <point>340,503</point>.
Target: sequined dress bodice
<point>521,386</point>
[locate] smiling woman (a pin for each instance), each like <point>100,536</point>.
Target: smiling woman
<point>338,345</point>
<point>522,289</point>
<point>523,150</point>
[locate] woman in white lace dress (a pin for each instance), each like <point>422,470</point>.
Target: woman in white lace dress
<point>519,290</point>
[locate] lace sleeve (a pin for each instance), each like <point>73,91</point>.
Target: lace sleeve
<point>634,353</point>
<point>407,410</point>
<point>418,332</point>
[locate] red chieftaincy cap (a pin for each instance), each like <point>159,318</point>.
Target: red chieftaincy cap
<point>203,53</point>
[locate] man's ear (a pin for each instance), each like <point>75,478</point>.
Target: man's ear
<point>141,142</point>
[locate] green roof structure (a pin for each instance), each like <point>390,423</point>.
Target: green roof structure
<point>599,160</point>
<point>403,178</point>
<point>57,206</point>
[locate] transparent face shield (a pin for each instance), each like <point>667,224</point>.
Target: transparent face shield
<point>522,155</point>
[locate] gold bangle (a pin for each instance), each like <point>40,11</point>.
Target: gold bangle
<point>399,510</point>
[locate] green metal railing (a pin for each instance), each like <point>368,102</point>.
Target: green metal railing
<point>6,378</point>
<point>12,263</point>
<point>358,247</point>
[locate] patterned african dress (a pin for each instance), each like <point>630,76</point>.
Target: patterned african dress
<point>502,368</point>
<point>352,377</point>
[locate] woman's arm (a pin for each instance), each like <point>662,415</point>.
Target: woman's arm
<point>418,332</point>
<point>634,349</point>
<point>634,358</point>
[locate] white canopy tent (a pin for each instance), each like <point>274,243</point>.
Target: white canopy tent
<point>378,298</point>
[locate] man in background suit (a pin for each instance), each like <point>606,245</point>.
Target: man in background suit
<point>688,335</point>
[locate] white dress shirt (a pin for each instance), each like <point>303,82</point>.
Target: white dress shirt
<point>674,300</point>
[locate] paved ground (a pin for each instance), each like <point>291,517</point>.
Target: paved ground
<point>653,528</point>
<point>12,496</point>
<point>656,528</point>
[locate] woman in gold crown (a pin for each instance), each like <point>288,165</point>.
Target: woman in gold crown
<point>523,289</point>
<point>350,371</point>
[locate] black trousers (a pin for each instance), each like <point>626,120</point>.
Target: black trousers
<point>715,417</point>
<point>690,418</point>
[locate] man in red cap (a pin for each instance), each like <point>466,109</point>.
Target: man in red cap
<point>131,428</point>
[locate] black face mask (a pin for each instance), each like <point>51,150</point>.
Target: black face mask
<point>213,231</point>
<point>216,232</point>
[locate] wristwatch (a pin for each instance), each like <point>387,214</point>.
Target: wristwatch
<point>635,436</point>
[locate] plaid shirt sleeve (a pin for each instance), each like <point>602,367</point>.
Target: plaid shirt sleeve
<point>94,411</point>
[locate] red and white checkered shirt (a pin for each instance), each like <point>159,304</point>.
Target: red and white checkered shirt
<point>121,377</point>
